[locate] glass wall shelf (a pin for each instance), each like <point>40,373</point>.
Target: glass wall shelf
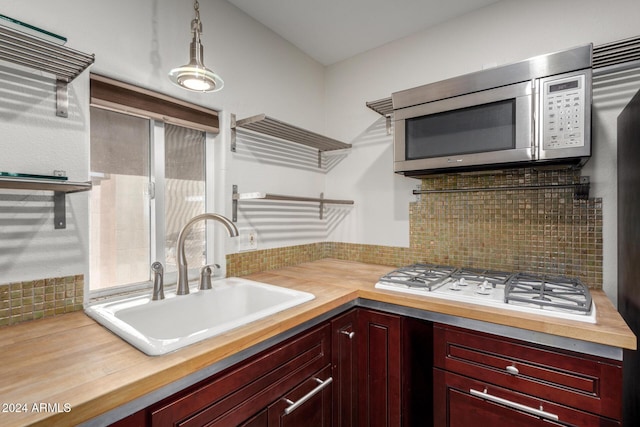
<point>23,27</point>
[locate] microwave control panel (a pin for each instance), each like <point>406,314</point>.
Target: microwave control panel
<point>563,107</point>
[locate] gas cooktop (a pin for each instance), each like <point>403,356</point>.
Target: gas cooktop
<point>559,297</point>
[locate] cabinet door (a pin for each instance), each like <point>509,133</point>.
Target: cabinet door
<point>344,370</point>
<point>379,369</point>
<point>307,405</point>
<point>461,402</point>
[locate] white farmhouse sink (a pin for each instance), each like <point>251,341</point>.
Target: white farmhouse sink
<point>158,327</point>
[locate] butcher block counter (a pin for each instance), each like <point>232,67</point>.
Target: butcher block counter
<point>68,369</point>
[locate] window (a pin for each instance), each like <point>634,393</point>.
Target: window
<point>120,230</point>
<point>184,194</point>
<point>148,180</point>
<point>130,165</point>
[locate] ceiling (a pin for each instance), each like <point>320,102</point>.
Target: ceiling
<point>332,30</point>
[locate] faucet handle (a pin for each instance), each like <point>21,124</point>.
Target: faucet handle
<point>205,277</point>
<point>158,281</point>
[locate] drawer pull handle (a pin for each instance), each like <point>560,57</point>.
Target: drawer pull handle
<point>349,334</point>
<point>524,408</point>
<point>294,405</point>
<point>512,370</point>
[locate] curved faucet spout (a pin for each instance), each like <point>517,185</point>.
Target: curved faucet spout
<point>183,279</point>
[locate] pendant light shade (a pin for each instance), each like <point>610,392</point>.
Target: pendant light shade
<point>195,76</point>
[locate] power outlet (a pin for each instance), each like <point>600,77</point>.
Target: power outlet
<point>248,239</point>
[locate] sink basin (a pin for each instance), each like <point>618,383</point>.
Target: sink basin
<point>159,327</point>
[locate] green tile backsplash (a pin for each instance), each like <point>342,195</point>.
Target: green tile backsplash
<point>29,300</point>
<point>541,231</point>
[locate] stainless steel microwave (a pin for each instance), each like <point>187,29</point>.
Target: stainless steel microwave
<point>532,112</point>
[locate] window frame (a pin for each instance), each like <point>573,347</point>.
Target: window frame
<point>123,97</point>
<point>159,109</point>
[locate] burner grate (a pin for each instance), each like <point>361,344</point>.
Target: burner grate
<point>419,275</point>
<point>557,292</point>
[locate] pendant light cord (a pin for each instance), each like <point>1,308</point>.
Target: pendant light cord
<point>196,7</point>
<point>196,25</point>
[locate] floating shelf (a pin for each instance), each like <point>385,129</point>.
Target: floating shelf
<point>29,51</point>
<point>60,189</point>
<point>267,196</point>
<point>384,106</point>
<point>266,125</point>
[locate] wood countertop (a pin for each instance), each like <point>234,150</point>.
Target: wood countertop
<point>68,369</point>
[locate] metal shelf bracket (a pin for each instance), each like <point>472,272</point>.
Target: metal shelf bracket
<point>59,210</point>
<point>233,133</point>
<point>60,189</point>
<point>62,99</point>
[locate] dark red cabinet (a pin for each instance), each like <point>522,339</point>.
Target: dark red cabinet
<point>486,378</point>
<point>370,368</point>
<point>362,368</point>
<point>379,368</point>
<point>462,401</point>
<point>238,395</point>
<point>395,359</point>
<point>344,368</point>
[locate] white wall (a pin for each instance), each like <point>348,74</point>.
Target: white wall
<point>501,33</point>
<point>139,42</point>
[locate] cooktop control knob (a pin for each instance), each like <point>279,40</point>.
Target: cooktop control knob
<point>484,288</point>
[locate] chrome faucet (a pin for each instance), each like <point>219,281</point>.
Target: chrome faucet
<point>183,279</point>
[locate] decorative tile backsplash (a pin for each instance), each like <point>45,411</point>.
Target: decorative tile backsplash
<point>37,299</point>
<point>533,230</point>
<point>243,263</point>
<point>541,231</point>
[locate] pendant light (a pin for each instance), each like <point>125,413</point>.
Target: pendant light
<point>195,76</point>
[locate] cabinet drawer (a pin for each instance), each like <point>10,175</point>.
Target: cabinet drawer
<point>307,405</point>
<point>462,401</point>
<point>581,381</point>
<point>240,392</point>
